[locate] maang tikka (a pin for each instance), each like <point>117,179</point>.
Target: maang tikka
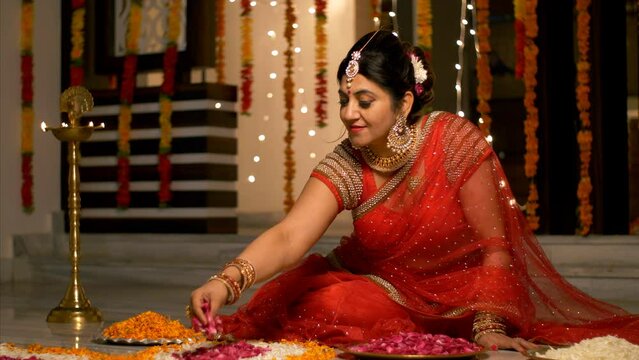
<point>353,65</point>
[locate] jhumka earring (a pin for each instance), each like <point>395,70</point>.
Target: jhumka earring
<point>400,136</point>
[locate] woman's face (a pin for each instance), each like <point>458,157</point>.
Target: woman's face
<point>367,113</point>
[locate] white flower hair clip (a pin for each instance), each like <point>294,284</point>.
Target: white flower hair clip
<point>421,74</point>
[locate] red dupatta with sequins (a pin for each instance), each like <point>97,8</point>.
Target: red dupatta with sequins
<point>440,240</point>
<point>451,240</point>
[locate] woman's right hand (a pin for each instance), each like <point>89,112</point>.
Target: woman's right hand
<point>214,295</point>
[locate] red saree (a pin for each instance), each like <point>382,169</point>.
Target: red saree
<point>440,240</point>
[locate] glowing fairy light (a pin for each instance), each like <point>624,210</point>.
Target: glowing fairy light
<point>256,159</point>
<point>275,52</point>
<point>251,179</point>
<point>460,56</point>
<point>261,137</point>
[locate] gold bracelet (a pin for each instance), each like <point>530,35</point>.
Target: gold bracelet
<point>232,287</point>
<point>487,331</point>
<point>246,269</point>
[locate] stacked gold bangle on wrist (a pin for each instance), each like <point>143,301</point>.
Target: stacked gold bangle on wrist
<point>486,323</point>
<point>246,269</point>
<point>234,287</point>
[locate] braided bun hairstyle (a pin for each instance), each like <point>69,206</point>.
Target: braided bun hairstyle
<point>386,61</point>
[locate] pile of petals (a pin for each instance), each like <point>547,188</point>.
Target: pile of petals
<point>207,350</point>
<point>150,325</point>
<point>412,343</point>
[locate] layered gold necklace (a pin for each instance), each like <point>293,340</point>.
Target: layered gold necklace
<point>393,162</point>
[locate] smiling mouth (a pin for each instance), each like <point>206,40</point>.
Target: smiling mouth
<point>356,127</point>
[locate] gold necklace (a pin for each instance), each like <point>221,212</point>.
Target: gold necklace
<point>393,162</point>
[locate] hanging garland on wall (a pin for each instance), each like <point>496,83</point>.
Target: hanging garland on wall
<point>26,77</point>
<point>246,73</point>
<point>584,136</point>
<point>289,159</point>
<point>484,77</point>
<point>220,40</point>
<point>532,115</point>
<point>520,37</point>
<point>375,11</point>
<point>127,87</point>
<point>166,106</point>
<point>425,27</point>
<point>321,90</point>
<point>77,42</point>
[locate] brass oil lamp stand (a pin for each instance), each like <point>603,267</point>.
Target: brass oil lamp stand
<point>75,307</point>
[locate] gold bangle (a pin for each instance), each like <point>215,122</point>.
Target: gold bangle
<point>246,269</point>
<point>232,287</point>
<point>487,331</point>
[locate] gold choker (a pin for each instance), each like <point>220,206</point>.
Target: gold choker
<point>393,162</point>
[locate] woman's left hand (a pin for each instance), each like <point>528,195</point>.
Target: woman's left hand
<point>496,341</point>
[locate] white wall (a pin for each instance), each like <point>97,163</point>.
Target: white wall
<point>266,194</point>
<point>46,160</point>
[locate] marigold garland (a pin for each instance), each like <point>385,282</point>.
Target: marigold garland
<point>375,10</point>
<point>289,160</point>
<point>584,136</point>
<point>166,106</point>
<point>220,40</point>
<point>127,86</point>
<point>26,77</point>
<point>425,27</point>
<point>77,42</point>
<point>484,77</point>
<point>246,73</point>
<point>520,37</point>
<point>532,115</point>
<point>321,85</point>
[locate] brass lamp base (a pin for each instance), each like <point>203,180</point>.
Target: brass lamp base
<point>75,308</point>
<point>74,315</point>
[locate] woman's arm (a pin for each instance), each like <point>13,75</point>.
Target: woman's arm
<point>482,208</point>
<point>280,247</point>
<point>480,201</point>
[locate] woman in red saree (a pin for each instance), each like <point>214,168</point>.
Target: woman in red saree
<point>439,243</point>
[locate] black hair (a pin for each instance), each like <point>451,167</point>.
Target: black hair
<point>386,60</point>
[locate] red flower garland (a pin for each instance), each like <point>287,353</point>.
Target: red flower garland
<point>289,162</point>
<point>532,115</point>
<point>127,87</point>
<point>26,75</point>
<point>484,77</point>
<point>246,73</point>
<point>166,109</point>
<point>77,42</point>
<point>321,90</point>
<point>584,136</point>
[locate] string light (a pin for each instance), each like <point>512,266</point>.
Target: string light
<point>460,57</point>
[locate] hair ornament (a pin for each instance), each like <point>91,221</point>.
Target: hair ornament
<point>421,74</point>
<point>353,65</point>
